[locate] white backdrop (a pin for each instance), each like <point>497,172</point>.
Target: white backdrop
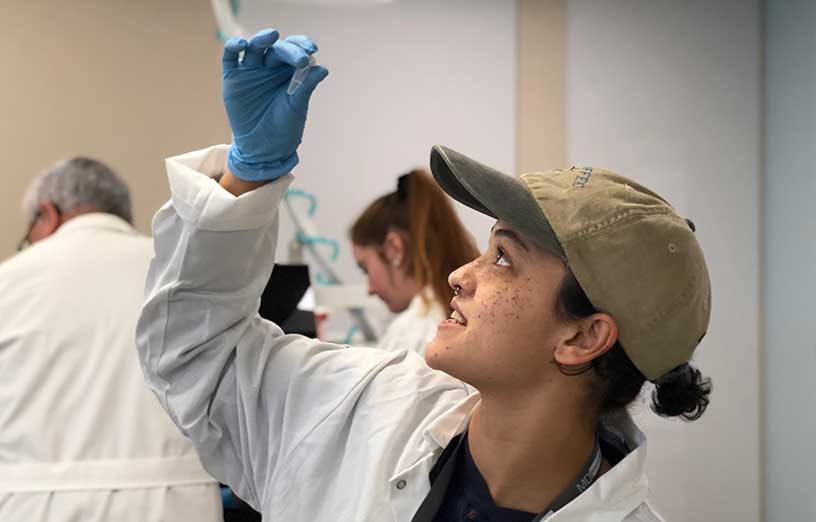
<point>669,93</point>
<point>789,362</point>
<point>403,76</point>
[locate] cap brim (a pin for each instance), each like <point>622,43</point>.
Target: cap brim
<point>497,195</point>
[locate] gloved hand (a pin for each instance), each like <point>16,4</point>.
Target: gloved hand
<point>267,123</point>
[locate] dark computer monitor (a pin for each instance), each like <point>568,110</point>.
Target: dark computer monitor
<point>283,292</point>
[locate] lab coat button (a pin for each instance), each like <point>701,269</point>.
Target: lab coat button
<point>401,484</point>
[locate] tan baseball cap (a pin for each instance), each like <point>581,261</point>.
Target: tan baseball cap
<point>635,258</point>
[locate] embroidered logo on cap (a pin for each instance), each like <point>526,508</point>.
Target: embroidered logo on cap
<point>583,177</point>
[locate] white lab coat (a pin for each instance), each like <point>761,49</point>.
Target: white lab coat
<point>303,430</point>
<point>415,327</point>
<point>81,436</point>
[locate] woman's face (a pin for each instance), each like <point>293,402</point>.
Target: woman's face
<point>504,329</point>
<point>386,281</point>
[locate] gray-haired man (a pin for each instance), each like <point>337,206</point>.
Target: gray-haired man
<point>81,437</point>
<point>69,189</point>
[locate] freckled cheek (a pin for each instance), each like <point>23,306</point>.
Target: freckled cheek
<point>510,308</point>
<point>497,313</point>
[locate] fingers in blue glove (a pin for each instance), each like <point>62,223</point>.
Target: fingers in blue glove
<point>258,45</point>
<point>300,98</point>
<point>267,122</point>
<point>232,49</point>
<point>304,42</point>
<point>288,53</point>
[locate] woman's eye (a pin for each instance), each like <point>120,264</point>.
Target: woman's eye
<point>501,259</point>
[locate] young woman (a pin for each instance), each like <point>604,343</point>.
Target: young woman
<point>591,285</point>
<point>407,242</point>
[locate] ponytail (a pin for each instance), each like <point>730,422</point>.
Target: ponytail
<point>683,392</point>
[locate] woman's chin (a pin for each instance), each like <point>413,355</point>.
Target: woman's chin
<point>432,353</point>
<point>441,353</point>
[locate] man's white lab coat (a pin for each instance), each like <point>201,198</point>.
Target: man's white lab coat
<point>81,436</point>
<point>301,429</point>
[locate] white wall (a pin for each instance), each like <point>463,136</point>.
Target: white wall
<point>668,93</point>
<point>403,77</point>
<point>789,250</point>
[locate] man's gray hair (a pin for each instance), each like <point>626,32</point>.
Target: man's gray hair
<point>76,183</point>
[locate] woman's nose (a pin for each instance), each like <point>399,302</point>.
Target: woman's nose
<point>461,280</point>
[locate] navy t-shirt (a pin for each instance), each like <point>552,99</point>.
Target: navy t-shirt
<point>468,498</point>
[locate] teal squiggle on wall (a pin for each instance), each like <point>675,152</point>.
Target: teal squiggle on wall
<point>235,7</point>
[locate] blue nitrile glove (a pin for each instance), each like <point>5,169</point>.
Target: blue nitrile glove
<point>267,124</point>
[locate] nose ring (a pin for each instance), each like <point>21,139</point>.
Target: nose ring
<point>457,289</point>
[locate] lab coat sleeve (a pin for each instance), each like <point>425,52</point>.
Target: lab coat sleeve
<point>246,394</point>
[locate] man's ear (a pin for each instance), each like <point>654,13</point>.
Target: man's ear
<point>592,337</point>
<point>50,218</point>
<point>394,249</point>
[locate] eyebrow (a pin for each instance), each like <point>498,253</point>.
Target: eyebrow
<point>512,236</point>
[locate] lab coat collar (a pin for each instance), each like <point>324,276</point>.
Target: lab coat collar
<point>617,493</point>
<point>95,220</point>
<point>443,429</point>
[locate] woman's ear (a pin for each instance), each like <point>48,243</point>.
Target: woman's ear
<point>394,249</point>
<point>592,337</point>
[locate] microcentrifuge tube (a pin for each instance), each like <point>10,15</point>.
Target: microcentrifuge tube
<point>299,75</point>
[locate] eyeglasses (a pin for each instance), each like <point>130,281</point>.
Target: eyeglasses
<point>26,241</point>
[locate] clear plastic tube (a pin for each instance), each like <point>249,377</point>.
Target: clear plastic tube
<point>299,75</point>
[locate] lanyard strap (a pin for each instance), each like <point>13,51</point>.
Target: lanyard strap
<point>588,475</point>
<point>433,501</point>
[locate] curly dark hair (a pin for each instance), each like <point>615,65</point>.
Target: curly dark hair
<point>682,392</point>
